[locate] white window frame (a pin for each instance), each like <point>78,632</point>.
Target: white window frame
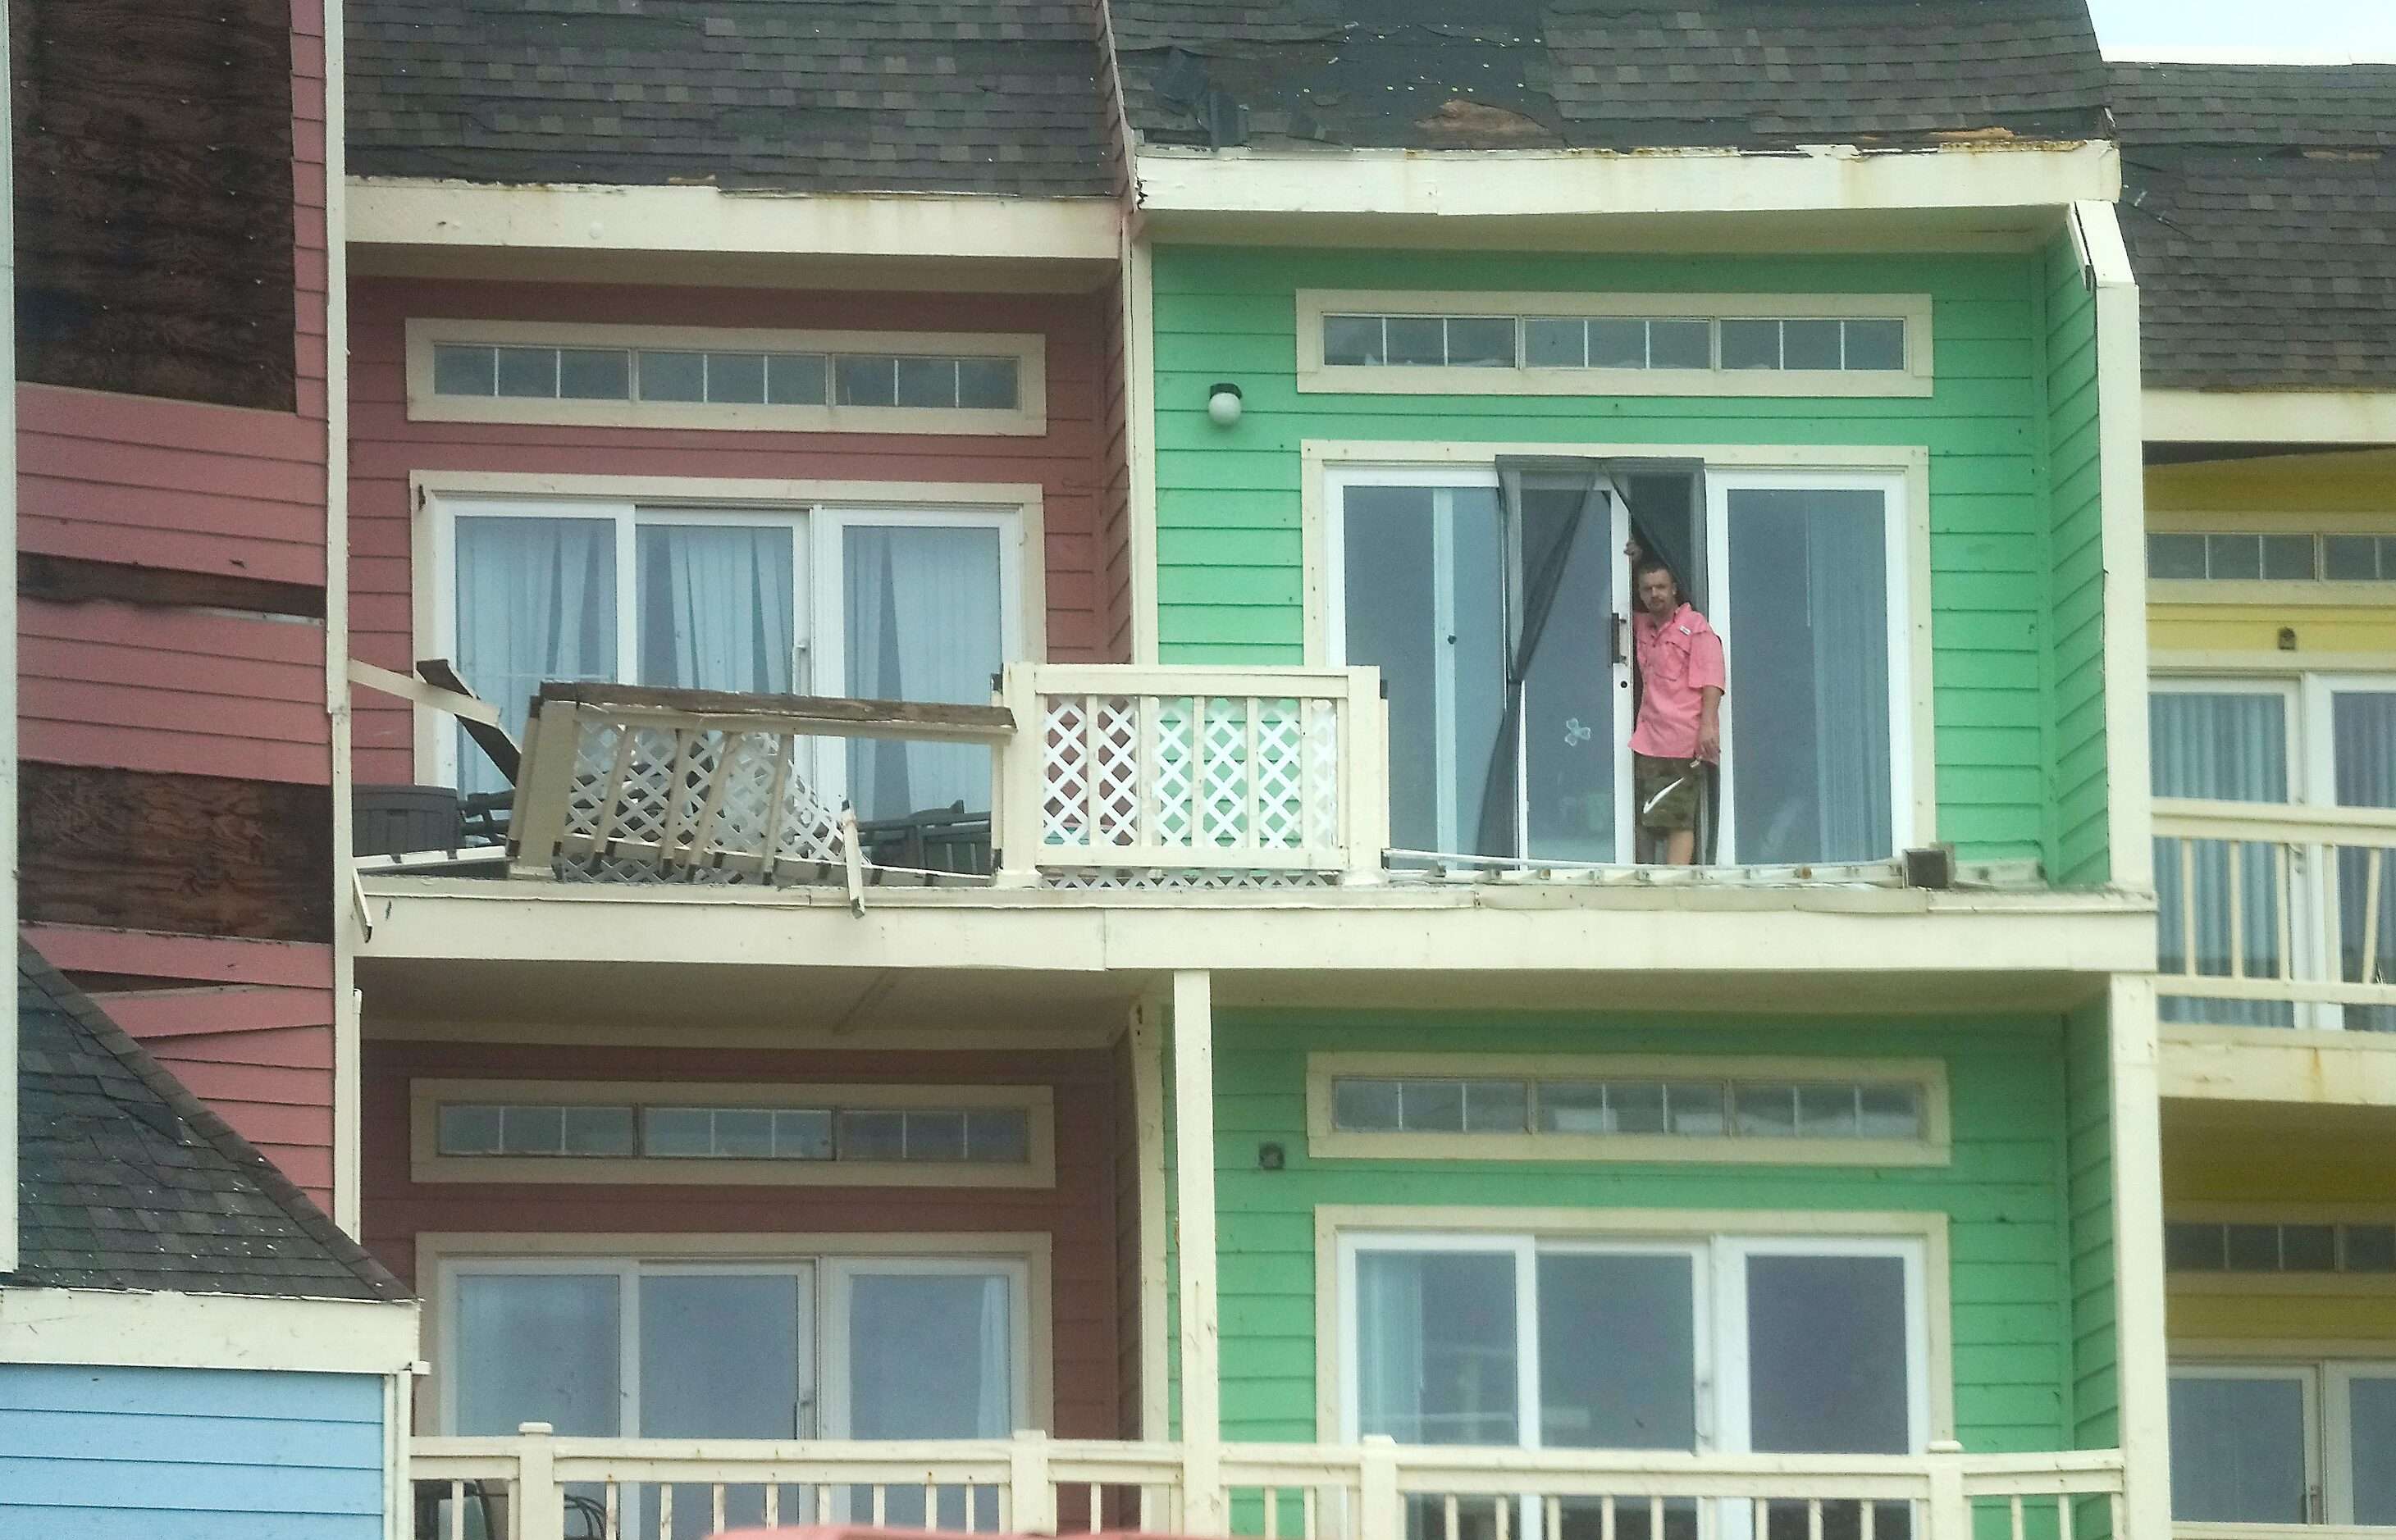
<point>1028,418</point>
<point>2309,1378</point>
<point>1721,1240</point>
<point>820,513</point>
<point>1899,476</point>
<point>1023,1260</point>
<point>1316,377</point>
<point>426,1164</point>
<point>1325,1140</point>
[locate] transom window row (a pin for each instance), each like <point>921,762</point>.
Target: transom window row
<point>954,382</point>
<point>1704,1109</point>
<point>1863,343</point>
<point>2191,1246</point>
<point>970,1135</point>
<point>2301,558</point>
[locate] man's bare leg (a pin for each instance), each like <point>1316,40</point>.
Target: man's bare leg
<point>1682,848</point>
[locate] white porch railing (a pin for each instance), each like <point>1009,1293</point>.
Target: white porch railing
<point>2287,908</point>
<point>536,1487</point>
<point>1129,775</point>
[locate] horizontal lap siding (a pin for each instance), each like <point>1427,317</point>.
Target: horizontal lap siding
<point>2004,1194</point>
<point>125,1453</point>
<point>173,691</point>
<point>2076,472</point>
<point>2088,1089</point>
<point>1230,564</point>
<point>170,483</point>
<point>1071,463</point>
<point>1078,1214</point>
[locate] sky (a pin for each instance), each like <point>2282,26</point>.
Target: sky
<point>2364,29</point>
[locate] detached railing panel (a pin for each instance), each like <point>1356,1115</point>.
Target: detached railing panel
<point>1139,777</point>
<point>535,1487</point>
<point>2276,915</point>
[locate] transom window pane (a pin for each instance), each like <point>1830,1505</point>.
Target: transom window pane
<point>1846,1110</point>
<point>1614,342</point>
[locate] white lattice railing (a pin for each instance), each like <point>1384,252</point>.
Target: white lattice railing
<point>2290,905</point>
<point>1198,771</point>
<point>536,1487</point>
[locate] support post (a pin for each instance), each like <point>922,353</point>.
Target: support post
<point>1379,1512</point>
<point>1032,1496</point>
<point>1193,1150</point>
<point>1950,1510</point>
<point>2142,1358</point>
<point>536,1510</point>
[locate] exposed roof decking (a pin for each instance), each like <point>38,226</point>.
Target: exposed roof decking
<point>2260,213</point>
<point>999,96</point>
<point>1621,74</point>
<point>127,1182</point>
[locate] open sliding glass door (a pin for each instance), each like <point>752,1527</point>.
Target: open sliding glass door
<point>2351,723</point>
<point>1807,574</point>
<point>1496,625</point>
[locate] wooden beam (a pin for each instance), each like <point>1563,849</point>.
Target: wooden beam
<point>1193,1150</point>
<point>500,749</point>
<point>466,708</point>
<point>922,721</point>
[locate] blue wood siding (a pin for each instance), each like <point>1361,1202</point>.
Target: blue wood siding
<point>119,1453</point>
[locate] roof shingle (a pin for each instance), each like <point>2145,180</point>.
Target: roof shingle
<point>2260,213</point>
<point>1623,74</point>
<point>126,1181</point>
<point>924,96</point>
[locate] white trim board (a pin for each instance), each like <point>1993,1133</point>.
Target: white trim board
<point>1485,183</point>
<point>184,1331</point>
<point>434,212</point>
<point>2359,417</point>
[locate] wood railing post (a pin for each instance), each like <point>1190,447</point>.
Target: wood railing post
<point>1365,777</point>
<point>1019,777</point>
<point>1031,1493</point>
<point>1951,1508</point>
<point>1380,1514</point>
<point>536,1510</point>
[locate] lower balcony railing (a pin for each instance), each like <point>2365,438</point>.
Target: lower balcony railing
<point>536,1487</point>
<point>2272,914</point>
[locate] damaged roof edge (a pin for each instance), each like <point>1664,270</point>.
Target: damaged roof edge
<point>1978,173</point>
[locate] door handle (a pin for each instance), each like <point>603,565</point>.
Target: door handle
<point>1616,630</point>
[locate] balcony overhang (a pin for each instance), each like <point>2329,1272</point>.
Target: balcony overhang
<point>406,227</point>
<point>1822,197</point>
<point>453,949</point>
<point>2311,418</point>
<point>2283,1065</point>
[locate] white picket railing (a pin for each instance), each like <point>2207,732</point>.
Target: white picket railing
<point>1137,773</point>
<point>536,1487</point>
<point>2282,905</point>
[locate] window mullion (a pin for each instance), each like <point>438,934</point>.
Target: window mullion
<point>1527,1431</point>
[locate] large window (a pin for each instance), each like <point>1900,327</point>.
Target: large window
<point>896,604</point>
<point>2323,740</point>
<point>1729,1344</point>
<point>1496,605</point>
<point>827,1347</point>
<point>2283,1443</point>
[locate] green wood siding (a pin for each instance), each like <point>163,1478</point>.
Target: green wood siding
<point>2096,1394</point>
<point>2077,699</point>
<point>2021,1383</point>
<point>2010,559</point>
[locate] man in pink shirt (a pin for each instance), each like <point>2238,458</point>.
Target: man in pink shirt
<point>1678,731</point>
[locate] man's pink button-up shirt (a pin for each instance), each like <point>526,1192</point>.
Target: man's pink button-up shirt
<point>1677,659</point>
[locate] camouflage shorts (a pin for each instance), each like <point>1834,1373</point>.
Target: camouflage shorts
<point>1668,791</point>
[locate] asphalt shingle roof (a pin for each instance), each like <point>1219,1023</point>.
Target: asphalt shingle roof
<point>1608,74</point>
<point>2260,205</point>
<point>924,96</point>
<point>125,1181</point>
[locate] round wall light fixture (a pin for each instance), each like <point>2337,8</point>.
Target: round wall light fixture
<point>1223,403</point>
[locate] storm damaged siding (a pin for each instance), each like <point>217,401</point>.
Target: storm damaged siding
<point>1230,540</point>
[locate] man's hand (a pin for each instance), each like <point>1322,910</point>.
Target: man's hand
<point>1710,724</point>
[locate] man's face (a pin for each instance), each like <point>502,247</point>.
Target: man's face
<point>1658,595</point>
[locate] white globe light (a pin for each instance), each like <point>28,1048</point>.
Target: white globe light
<point>1223,404</point>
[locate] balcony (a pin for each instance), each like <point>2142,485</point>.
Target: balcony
<point>538,1487</point>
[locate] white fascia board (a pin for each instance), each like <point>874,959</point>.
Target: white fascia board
<point>2270,417</point>
<point>1585,934</point>
<point>2260,1064</point>
<point>182,1331</point>
<point>410,212</point>
<point>1493,183</point>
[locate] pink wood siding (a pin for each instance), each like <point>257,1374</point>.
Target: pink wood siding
<point>175,690</point>
<point>170,483</point>
<point>1078,1214</point>
<point>246,1025</point>
<point>1070,461</point>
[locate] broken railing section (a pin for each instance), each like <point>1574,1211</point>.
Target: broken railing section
<point>1104,776</point>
